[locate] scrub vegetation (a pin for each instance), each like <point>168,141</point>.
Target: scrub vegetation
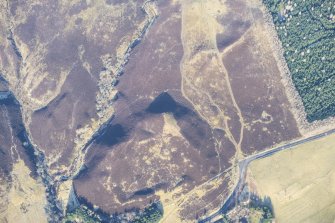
<point>151,214</point>
<point>81,214</point>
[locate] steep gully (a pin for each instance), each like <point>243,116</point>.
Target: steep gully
<point>54,208</point>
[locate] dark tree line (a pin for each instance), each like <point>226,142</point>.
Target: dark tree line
<point>307,32</point>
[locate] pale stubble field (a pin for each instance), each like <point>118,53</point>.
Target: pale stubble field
<point>299,181</point>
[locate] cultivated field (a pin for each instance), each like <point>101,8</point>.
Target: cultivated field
<point>300,182</point>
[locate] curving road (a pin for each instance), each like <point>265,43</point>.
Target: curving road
<point>243,165</point>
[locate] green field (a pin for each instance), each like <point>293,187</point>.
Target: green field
<point>306,29</point>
